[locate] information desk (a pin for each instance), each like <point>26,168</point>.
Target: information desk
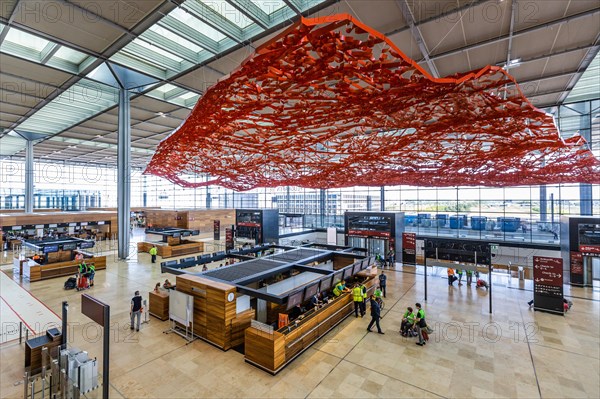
<point>159,304</point>
<point>33,349</point>
<point>169,251</point>
<point>272,352</point>
<point>36,272</point>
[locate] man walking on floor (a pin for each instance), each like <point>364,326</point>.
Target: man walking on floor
<point>136,310</point>
<point>375,315</point>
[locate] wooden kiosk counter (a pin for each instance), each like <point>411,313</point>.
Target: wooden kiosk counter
<point>242,305</point>
<point>273,350</point>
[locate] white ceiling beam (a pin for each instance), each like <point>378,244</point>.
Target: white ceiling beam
<point>409,18</point>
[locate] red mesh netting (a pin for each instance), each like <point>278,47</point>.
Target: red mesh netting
<point>332,103</point>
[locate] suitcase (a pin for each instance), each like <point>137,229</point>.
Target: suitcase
<point>82,283</point>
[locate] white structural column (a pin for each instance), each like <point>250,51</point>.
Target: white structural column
<point>124,172</point>
<point>29,175</point>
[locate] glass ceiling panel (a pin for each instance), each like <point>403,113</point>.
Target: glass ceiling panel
<point>588,85</point>
<point>228,11</point>
<point>167,34</point>
<point>186,99</point>
<point>67,54</point>
<point>156,49</point>
<point>81,101</point>
<point>26,40</point>
<point>165,88</point>
<point>269,6</point>
<point>196,24</point>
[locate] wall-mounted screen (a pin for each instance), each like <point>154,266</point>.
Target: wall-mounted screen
<point>310,291</point>
<point>50,248</point>
<point>69,246</point>
<point>348,274</point>
<point>357,267</point>
<point>294,299</point>
<point>326,283</point>
<point>337,277</point>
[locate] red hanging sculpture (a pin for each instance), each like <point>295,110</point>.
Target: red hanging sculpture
<point>332,103</point>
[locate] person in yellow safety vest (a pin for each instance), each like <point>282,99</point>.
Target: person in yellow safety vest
<point>357,296</point>
<point>92,273</point>
<point>363,289</point>
<point>153,252</point>
<point>339,288</point>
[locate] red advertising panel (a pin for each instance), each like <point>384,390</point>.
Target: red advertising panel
<point>228,239</point>
<point>249,224</point>
<point>217,230</point>
<point>590,250</point>
<point>409,248</point>
<point>368,233</point>
<point>576,263</point>
<point>548,284</point>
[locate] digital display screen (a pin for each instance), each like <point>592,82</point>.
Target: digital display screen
<point>186,234</point>
<point>221,253</point>
<point>204,256</point>
<point>176,235</point>
<point>326,283</point>
<point>294,299</point>
<point>357,267</point>
<point>171,263</point>
<point>86,244</point>
<point>69,247</point>
<point>50,248</point>
<point>310,291</point>
<point>52,225</point>
<point>337,277</point>
<point>348,274</point>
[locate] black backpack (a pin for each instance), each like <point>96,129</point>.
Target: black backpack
<point>71,283</point>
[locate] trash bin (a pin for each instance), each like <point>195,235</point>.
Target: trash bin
<point>521,273</point>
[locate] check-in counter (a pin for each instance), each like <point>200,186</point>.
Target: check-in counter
<point>186,247</point>
<point>159,304</point>
<point>36,272</point>
<point>271,351</point>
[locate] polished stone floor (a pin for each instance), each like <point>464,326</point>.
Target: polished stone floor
<point>514,352</point>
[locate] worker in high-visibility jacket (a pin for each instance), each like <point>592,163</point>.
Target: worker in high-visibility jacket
<point>363,290</point>
<point>92,273</point>
<point>339,288</point>
<point>153,252</point>
<point>357,296</point>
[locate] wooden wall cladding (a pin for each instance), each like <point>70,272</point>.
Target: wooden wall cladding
<point>214,314</point>
<point>168,251</point>
<point>190,219</point>
<point>265,350</point>
<point>67,268</point>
